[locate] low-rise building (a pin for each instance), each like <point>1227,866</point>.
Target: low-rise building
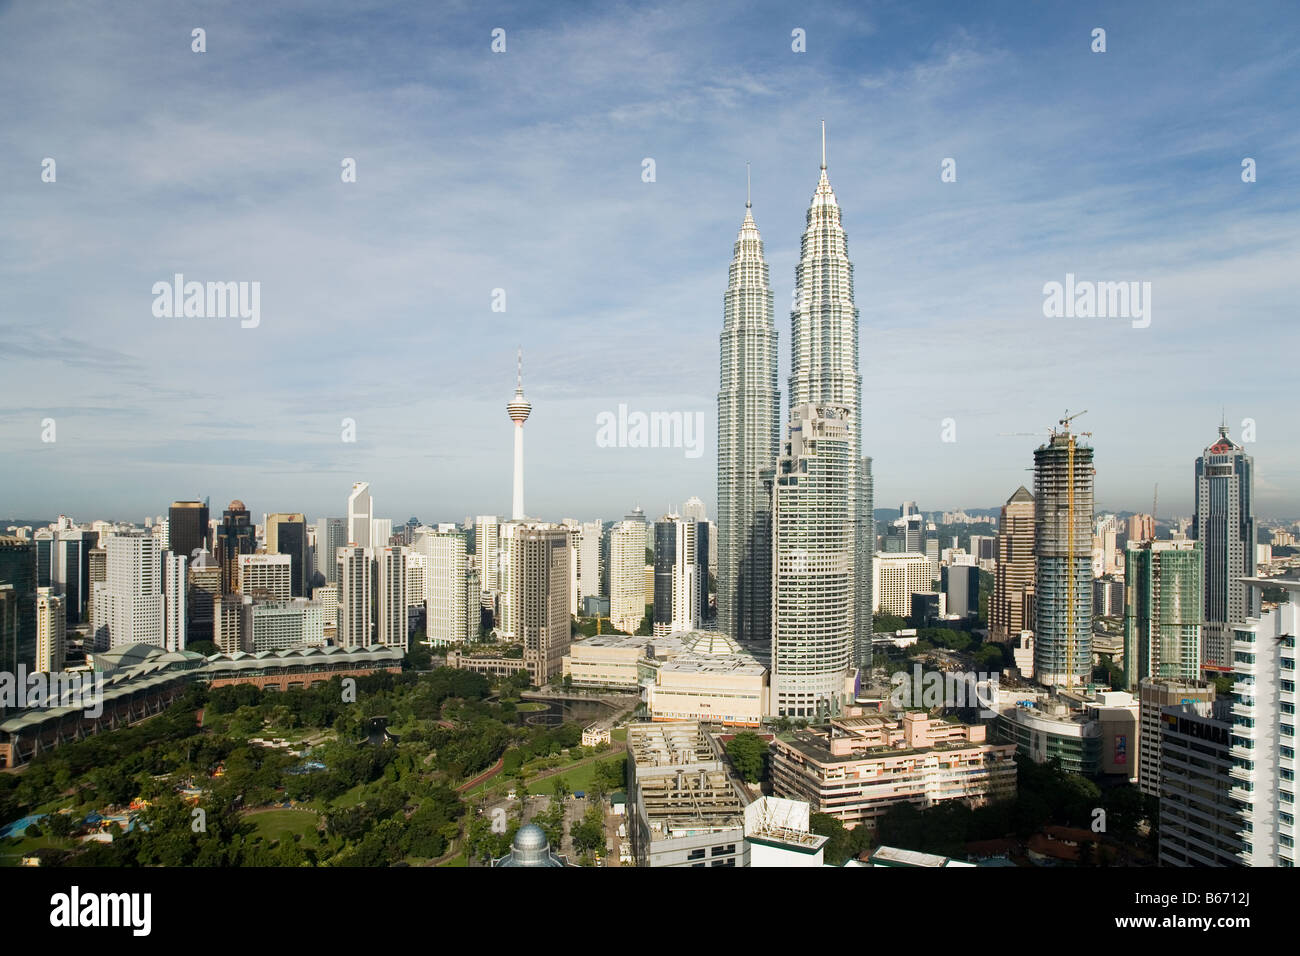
<point>856,768</point>
<point>684,806</point>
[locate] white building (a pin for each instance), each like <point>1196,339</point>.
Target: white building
<point>680,575</point>
<point>266,576</point>
<point>360,514</point>
<point>487,533</point>
<point>390,597</point>
<point>448,612</point>
<point>51,631</point>
<point>589,559</point>
<point>898,576</point>
<point>175,587</point>
<point>627,593</point>
<point>356,597</point>
<point>133,599</point>
<point>280,625</point>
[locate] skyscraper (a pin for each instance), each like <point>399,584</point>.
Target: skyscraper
<point>1063,485</point>
<point>1162,611</point>
<point>133,595</point>
<point>235,536</point>
<point>589,559</point>
<point>487,533</point>
<point>51,631</point>
<point>627,597</point>
<point>1011,607</point>
<point>175,590</point>
<point>518,409</point>
<point>390,597</point>
<point>331,534</point>
<point>1224,523</point>
<point>681,575</point>
<point>188,530</point>
<point>449,616</point>
<point>287,534</point>
<point>360,511</point>
<point>824,367</point>
<point>814,539</point>
<point>748,440</point>
<point>539,596</point>
<point>356,597</point>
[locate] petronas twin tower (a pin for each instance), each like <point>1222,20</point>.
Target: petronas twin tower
<point>802,582</point>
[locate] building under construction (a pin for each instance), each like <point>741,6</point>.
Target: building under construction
<point>1063,505</point>
<point>684,806</point>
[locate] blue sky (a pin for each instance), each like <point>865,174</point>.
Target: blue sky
<point>522,171</point>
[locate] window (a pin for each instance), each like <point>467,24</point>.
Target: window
<point>696,854</point>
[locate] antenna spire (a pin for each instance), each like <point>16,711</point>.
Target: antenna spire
<point>748,203</point>
<point>519,371</point>
<point>823,144</point>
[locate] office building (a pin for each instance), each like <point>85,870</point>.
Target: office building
<point>487,536</point>
<point>331,534</point>
<point>1162,614</point>
<point>235,536</point>
<point>287,534</point>
<point>132,596</point>
<point>451,615</point>
<point>204,587</point>
<point>748,440</point>
<point>17,603</point>
<point>824,372</point>
<point>187,527</point>
<point>589,559</point>
<point>361,512</point>
<point>814,536</point>
<point>1011,607</point>
<point>1063,483</point>
<point>681,575</point>
<point>961,587</point>
<point>276,625</point>
<point>1199,823</point>
<point>51,631</point>
<point>539,596</point>
<point>1224,523</point>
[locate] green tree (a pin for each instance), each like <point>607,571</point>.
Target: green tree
<point>748,753</point>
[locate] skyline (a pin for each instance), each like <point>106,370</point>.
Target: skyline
<point>473,175</point>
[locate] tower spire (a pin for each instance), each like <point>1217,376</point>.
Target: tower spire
<point>519,370</point>
<point>823,144</point>
<point>748,203</point>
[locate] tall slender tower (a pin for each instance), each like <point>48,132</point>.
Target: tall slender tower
<point>518,409</point>
<point>1224,523</point>
<point>824,371</point>
<point>748,441</point>
<point>1063,483</point>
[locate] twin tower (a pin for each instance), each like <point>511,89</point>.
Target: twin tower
<point>796,533</point>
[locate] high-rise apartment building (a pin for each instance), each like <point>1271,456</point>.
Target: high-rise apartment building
<point>175,585</point>
<point>1011,607</point>
<point>748,441</point>
<point>589,559</point>
<point>1224,523</point>
<point>450,618</point>
<point>813,533</point>
<point>51,631</point>
<point>1162,610</point>
<point>360,513</point>
<point>390,597</point>
<point>286,533</point>
<point>356,597</point>
<point>1063,483</point>
<point>487,535</point>
<point>627,591</point>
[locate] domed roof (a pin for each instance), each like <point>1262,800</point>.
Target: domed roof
<point>530,837</point>
<point>237,505</point>
<point>710,642</point>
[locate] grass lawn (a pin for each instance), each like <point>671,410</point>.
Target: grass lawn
<point>619,733</point>
<point>456,861</point>
<point>12,855</point>
<point>284,824</point>
<point>579,778</point>
<point>348,798</point>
